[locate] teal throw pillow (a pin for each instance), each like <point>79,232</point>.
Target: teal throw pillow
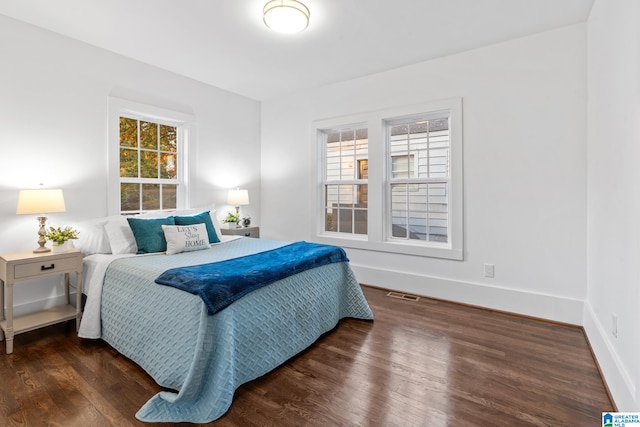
<point>201,218</point>
<point>148,233</point>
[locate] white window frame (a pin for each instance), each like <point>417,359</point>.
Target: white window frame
<point>355,180</point>
<point>118,107</point>
<point>378,237</point>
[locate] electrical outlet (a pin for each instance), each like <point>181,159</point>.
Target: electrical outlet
<point>614,325</point>
<point>489,270</point>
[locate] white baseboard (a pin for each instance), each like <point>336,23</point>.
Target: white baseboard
<point>621,385</point>
<point>550,307</point>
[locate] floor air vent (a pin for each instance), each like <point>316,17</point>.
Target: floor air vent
<point>406,297</point>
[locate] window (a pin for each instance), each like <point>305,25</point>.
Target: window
<point>392,180</point>
<point>345,180</point>
<point>419,177</point>
<point>149,169</point>
<point>147,157</point>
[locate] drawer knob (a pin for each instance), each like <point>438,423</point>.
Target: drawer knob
<point>51,267</point>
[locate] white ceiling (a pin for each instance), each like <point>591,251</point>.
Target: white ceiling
<point>225,43</point>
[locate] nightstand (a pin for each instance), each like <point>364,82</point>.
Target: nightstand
<point>20,266</point>
<point>243,231</point>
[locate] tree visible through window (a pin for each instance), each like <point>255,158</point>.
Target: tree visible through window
<point>149,171</point>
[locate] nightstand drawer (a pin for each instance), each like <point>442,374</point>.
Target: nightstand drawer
<point>250,232</point>
<point>38,268</point>
<point>242,231</point>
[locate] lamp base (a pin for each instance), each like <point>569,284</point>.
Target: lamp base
<point>239,223</point>
<point>41,232</point>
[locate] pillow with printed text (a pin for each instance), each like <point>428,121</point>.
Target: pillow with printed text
<point>185,238</point>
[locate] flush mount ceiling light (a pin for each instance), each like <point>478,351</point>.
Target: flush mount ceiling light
<point>286,16</point>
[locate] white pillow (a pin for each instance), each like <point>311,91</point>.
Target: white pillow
<point>216,223</point>
<point>92,238</point>
<point>185,238</point>
<point>121,238</point>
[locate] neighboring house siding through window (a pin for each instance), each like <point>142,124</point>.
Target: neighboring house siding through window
<point>392,180</point>
<point>419,178</point>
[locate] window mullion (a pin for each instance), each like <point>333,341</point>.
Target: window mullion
<point>138,146</point>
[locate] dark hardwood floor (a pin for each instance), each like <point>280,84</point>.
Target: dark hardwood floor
<point>424,363</point>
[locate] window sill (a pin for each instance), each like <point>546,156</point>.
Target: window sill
<point>396,247</point>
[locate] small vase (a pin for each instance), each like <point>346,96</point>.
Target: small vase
<point>232,225</point>
<point>62,247</point>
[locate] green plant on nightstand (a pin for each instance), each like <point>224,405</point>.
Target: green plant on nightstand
<point>231,217</point>
<point>60,235</point>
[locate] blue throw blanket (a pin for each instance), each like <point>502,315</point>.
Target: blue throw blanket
<point>221,283</point>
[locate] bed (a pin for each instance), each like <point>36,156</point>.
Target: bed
<point>203,358</point>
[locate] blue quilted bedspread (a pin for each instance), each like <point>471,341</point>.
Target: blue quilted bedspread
<point>221,283</point>
<point>204,358</point>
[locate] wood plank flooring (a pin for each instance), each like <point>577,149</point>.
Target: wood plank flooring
<point>424,363</point>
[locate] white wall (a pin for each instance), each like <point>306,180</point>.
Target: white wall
<point>53,104</point>
<point>524,164</point>
<point>525,124</point>
<point>613,234</point>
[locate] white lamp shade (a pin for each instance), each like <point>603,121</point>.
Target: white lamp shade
<point>238,197</point>
<point>286,16</point>
<point>40,202</point>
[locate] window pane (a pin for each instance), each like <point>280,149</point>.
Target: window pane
<point>169,196</point>
<point>344,150</point>
<point>419,211</point>
<point>425,143</point>
<point>128,163</point>
<point>409,216</point>
<point>128,132</point>
<point>360,218</point>
<point>399,212</point>
<point>417,214</point>
<point>348,155</point>
<point>168,166</point>
<point>129,197</point>
<point>150,197</point>
<point>330,224</point>
<point>149,135</point>
<point>148,164</point>
<point>168,138</point>
<point>346,210</point>
<point>346,195</point>
<point>332,161</point>
<point>438,212</point>
<point>345,219</point>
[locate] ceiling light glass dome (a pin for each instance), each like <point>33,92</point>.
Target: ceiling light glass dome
<point>286,16</point>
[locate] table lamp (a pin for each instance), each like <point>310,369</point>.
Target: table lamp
<point>40,202</point>
<point>237,198</point>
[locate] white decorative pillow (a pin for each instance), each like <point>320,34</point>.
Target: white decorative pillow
<point>185,238</point>
<point>92,238</point>
<point>121,238</point>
